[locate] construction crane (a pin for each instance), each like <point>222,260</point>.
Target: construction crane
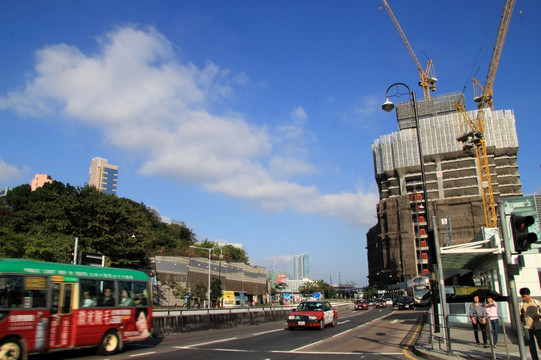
<point>473,132</point>
<point>428,78</point>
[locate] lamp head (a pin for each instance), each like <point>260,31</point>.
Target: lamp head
<point>387,106</point>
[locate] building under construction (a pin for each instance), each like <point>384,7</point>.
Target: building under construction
<point>397,245</point>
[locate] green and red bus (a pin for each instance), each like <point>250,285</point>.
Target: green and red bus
<point>48,306</point>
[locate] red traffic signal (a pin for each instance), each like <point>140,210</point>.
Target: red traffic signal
<point>522,238</point>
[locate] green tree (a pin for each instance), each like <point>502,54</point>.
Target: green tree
<point>215,289</point>
<point>43,224</point>
<point>201,290</point>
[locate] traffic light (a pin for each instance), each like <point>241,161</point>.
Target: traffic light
<point>521,237</point>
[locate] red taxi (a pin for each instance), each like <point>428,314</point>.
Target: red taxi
<point>312,314</point>
<point>361,305</point>
<point>380,303</point>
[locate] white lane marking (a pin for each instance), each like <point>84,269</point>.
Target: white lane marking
<point>234,350</point>
<point>305,352</point>
<point>205,343</point>
<point>331,353</point>
<point>343,322</point>
<point>305,346</point>
<point>267,332</point>
<point>143,354</point>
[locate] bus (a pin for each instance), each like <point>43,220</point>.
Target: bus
<point>421,290</point>
<point>51,306</point>
<point>418,288</point>
<point>233,298</point>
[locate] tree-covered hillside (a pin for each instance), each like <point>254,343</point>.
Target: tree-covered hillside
<point>43,224</point>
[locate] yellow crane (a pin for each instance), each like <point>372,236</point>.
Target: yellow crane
<point>473,132</point>
<point>428,78</point>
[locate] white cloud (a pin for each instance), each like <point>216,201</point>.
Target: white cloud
<point>10,173</point>
<point>145,101</point>
<point>280,263</point>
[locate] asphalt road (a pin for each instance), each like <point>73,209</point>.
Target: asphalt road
<point>372,334</point>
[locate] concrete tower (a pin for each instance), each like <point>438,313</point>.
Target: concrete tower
<point>397,248</point>
<point>103,176</point>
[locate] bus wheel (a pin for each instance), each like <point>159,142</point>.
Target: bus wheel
<point>110,344</point>
<point>11,349</point>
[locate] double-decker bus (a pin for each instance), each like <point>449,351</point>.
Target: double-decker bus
<point>418,288</point>
<point>421,290</point>
<point>50,306</point>
<point>233,298</point>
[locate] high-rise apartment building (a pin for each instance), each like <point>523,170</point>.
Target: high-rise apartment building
<point>301,266</point>
<point>103,176</point>
<point>39,180</point>
<point>398,246</point>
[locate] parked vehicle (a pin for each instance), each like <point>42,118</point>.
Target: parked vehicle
<point>312,314</point>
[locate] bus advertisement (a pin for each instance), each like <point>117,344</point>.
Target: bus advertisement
<point>233,298</point>
<point>49,306</point>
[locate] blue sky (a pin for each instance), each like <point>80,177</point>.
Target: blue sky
<point>250,121</point>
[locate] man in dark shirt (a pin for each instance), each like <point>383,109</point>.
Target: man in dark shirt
<point>107,299</point>
<point>477,315</point>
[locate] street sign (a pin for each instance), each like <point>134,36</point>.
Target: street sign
<point>91,259</point>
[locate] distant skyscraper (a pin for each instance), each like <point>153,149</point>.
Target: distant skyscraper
<point>39,180</point>
<point>301,266</point>
<point>306,266</point>
<point>103,176</point>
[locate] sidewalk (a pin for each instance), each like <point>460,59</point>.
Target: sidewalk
<point>463,345</point>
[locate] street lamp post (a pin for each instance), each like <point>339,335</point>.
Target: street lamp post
<point>208,290</point>
<point>388,106</point>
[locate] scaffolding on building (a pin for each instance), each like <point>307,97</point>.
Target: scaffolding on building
<point>438,127</point>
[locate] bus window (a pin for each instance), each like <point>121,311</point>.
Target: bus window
<point>23,291</point>
<point>88,292</point>
<point>66,306</point>
<point>56,297</point>
<point>141,293</point>
<point>126,293</point>
<point>107,297</point>
<point>35,292</point>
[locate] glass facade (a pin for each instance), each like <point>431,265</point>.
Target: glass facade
<point>103,176</point>
<point>301,266</point>
<point>109,180</point>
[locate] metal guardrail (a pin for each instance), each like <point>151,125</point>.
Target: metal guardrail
<point>181,312</point>
<point>456,339</point>
<point>177,312</point>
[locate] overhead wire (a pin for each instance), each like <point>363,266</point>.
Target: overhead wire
<point>483,43</point>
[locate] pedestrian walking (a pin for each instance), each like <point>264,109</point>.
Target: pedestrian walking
<point>491,309</point>
<point>530,316</point>
<point>478,318</point>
